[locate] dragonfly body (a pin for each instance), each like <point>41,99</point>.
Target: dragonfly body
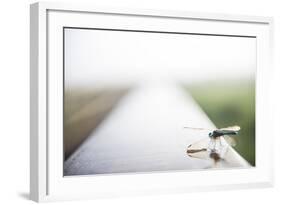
<point>215,147</point>
<point>219,133</point>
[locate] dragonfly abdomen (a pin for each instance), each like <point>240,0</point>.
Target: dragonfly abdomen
<point>219,133</point>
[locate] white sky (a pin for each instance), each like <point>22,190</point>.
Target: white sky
<point>115,57</point>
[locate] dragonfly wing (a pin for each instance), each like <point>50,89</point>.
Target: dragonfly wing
<point>230,140</point>
<point>197,128</point>
<point>231,128</point>
<point>198,149</point>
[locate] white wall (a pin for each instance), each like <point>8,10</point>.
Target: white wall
<point>14,103</point>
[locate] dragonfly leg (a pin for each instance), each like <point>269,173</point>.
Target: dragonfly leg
<point>211,145</point>
<point>218,145</point>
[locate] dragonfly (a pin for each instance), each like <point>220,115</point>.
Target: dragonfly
<point>215,147</point>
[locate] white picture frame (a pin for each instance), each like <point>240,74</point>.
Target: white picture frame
<point>47,182</point>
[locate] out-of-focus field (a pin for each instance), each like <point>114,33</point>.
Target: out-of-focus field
<point>84,110</point>
<point>230,103</point>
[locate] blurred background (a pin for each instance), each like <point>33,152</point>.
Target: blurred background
<point>84,110</point>
<point>102,67</point>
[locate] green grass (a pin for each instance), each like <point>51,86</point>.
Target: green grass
<point>230,103</point>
